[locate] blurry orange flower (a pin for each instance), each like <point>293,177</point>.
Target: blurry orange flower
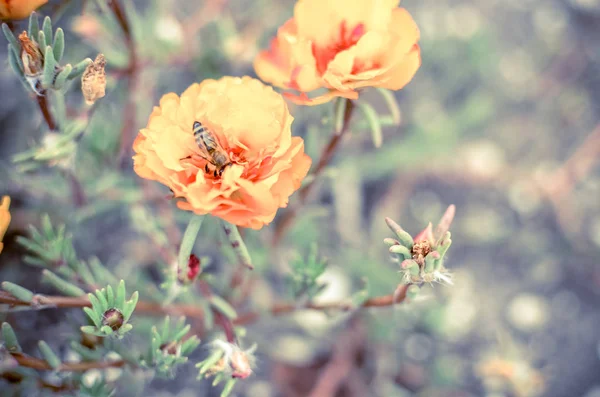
<point>4,218</point>
<point>342,45</point>
<point>251,124</point>
<point>19,9</point>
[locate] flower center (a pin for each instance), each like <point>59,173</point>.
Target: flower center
<point>346,39</point>
<point>420,251</point>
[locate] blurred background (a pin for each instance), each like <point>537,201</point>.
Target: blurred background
<point>502,120</point>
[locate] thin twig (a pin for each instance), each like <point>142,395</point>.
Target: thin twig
<point>42,102</point>
<point>326,155</point>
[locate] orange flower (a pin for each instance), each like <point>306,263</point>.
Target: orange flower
<point>342,45</point>
<point>252,125</point>
<point>4,218</point>
<point>19,9</point>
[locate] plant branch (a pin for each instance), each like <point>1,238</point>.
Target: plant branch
<point>151,308</point>
<point>37,363</point>
<point>42,102</point>
<point>326,155</point>
<point>131,72</point>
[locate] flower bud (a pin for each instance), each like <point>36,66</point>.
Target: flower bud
<point>240,365</point>
<point>113,318</point>
<point>193,270</point>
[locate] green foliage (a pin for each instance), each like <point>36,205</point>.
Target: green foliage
<point>55,149</point>
<point>53,250</point>
<point>110,312</point>
<point>167,347</point>
<point>303,282</point>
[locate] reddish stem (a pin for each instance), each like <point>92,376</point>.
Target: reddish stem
<point>326,155</point>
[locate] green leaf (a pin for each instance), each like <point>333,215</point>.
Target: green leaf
<point>17,291</point>
<point>49,75</point>
<point>228,387</point>
<point>110,297</point>
<point>59,44</point>
<point>14,45</point>
<point>164,333</point>
<point>188,241</point>
<point>101,294</point>
<point>403,236</point>
<point>130,306</point>
<point>401,250</point>
<point>50,357</point>
<point>177,337</point>
<point>34,25</point>
<point>62,285</point>
<point>120,301</point>
<point>47,28</point>
<point>47,228</point>
<point>96,304</point>
<point>373,121</point>
<point>10,338</point>
<point>94,316</point>
<point>15,64</point>
<point>208,319</point>
<point>61,78</point>
<point>210,361</point>
<point>41,39</point>
<point>222,306</point>
<point>79,68</point>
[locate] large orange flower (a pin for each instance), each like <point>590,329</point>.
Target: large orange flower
<point>18,9</point>
<point>342,45</point>
<point>252,124</point>
<point>4,218</point>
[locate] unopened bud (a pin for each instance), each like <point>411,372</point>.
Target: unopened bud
<point>240,365</point>
<point>113,318</point>
<point>93,80</point>
<point>193,270</point>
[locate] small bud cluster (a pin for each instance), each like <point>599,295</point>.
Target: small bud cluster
<point>422,258</point>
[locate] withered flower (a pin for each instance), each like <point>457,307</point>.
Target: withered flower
<point>33,62</point>
<point>93,80</point>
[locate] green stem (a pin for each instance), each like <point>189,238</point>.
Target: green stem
<point>187,243</point>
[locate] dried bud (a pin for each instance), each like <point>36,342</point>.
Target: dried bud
<point>113,318</point>
<point>93,80</point>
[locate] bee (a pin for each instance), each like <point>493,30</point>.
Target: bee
<point>210,150</point>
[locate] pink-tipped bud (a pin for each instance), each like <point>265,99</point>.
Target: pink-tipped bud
<point>240,365</point>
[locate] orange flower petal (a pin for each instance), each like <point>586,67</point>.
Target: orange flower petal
<point>319,20</point>
<point>19,9</point>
